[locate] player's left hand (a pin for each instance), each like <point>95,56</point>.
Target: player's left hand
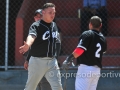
<point>26,65</point>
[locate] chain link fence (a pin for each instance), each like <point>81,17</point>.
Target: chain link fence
<point>68,18</point>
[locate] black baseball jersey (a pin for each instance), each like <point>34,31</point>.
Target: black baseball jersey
<point>46,38</point>
<point>94,44</point>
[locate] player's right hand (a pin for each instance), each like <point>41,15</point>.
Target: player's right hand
<point>24,48</point>
<point>26,65</point>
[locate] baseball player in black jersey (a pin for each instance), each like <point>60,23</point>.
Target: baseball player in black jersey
<point>43,84</point>
<point>37,17</point>
<point>42,38</point>
<point>92,44</point>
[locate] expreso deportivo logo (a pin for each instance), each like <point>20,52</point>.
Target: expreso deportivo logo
<point>111,74</point>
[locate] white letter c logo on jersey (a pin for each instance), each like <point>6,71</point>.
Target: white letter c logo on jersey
<point>46,35</point>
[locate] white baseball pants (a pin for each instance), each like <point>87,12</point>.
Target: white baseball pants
<point>87,77</point>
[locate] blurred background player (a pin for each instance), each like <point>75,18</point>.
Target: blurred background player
<point>38,15</point>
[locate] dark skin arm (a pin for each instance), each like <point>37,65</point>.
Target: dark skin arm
<point>75,55</point>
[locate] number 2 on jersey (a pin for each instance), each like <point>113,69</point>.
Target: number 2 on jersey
<point>97,53</point>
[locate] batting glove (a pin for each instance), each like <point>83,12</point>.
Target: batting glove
<point>65,64</point>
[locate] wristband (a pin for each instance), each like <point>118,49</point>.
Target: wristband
<point>78,51</point>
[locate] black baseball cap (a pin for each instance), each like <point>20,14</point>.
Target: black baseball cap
<point>38,11</point>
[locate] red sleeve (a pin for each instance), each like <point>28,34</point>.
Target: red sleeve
<point>79,51</point>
